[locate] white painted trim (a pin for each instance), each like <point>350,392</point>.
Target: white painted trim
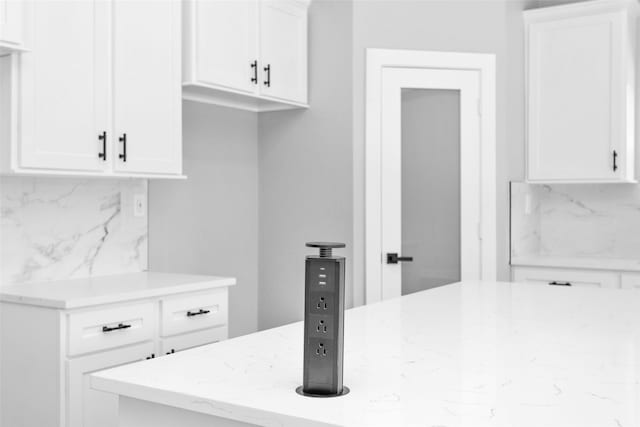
<point>377,59</point>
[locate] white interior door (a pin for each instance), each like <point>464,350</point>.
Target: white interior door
<point>430,178</point>
<point>148,86</point>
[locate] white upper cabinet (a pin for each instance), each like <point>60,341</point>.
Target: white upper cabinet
<point>11,26</point>
<point>248,54</point>
<point>97,73</point>
<point>146,86</point>
<point>581,92</point>
<point>283,50</point>
<point>63,105</point>
<point>220,48</point>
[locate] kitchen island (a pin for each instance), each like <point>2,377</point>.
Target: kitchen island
<point>468,354</point>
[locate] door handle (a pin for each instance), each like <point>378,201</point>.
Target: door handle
<point>615,160</point>
<point>123,139</point>
<point>393,258</point>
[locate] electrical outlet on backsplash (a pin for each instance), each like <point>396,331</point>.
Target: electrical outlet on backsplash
<point>575,220</point>
<point>61,228</point>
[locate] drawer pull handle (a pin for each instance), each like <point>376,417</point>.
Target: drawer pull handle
<point>173,350</point>
<point>554,283</point>
<point>115,328</point>
<point>197,313</point>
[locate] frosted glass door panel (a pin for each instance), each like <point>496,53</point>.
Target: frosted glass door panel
<point>430,188</point>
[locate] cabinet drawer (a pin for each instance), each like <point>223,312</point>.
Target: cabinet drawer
<point>192,312</point>
<point>562,277</point>
<point>193,339</point>
<point>95,330</point>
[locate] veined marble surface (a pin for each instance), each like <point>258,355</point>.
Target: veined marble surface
<point>591,221</point>
<point>473,354</point>
<point>62,228</point>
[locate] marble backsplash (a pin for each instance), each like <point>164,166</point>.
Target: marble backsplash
<point>60,228</point>
<point>575,220</point>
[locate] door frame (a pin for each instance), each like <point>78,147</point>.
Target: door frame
<point>379,59</point>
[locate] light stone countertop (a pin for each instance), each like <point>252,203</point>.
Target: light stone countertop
<point>471,354</point>
<point>76,293</point>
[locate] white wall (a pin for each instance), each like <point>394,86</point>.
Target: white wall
<point>306,170</point>
<point>208,224</point>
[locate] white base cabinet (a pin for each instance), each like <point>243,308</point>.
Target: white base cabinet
<point>566,277</point>
<point>554,276</point>
<point>48,353</point>
<point>581,96</point>
<point>247,54</point>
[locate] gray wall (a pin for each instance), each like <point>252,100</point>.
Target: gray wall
<point>304,179</point>
<point>305,172</point>
<point>208,224</point>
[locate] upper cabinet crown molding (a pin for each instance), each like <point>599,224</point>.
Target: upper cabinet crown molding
<point>83,101</point>
<point>247,54</point>
<point>580,86</point>
<point>11,37</point>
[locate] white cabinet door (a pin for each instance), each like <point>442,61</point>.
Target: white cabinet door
<point>63,107</point>
<point>283,50</point>
<point>147,86</point>
<point>566,278</point>
<point>90,408</point>
<point>579,97</point>
<point>10,22</point>
<point>221,44</point>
